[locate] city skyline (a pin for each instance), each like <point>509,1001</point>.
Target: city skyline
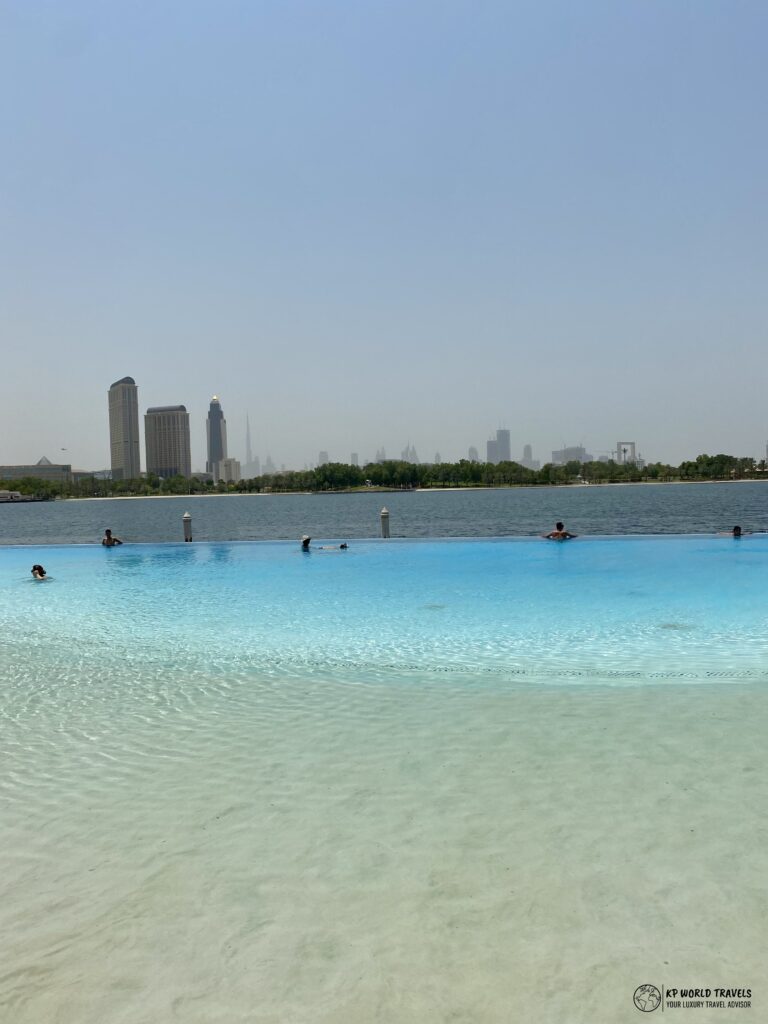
<point>124,442</point>
<point>407,225</point>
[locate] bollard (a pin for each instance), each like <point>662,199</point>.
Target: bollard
<point>384,523</point>
<point>187,520</point>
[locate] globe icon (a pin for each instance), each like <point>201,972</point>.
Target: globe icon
<point>647,998</point>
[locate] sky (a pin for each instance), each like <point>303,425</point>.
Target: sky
<point>367,224</point>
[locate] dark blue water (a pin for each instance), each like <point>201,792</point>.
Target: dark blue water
<point>624,509</point>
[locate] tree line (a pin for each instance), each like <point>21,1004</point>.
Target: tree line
<point>394,474</point>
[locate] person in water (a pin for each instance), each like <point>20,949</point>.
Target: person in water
<point>38,572</point>
<point>559,533</point>
<point>305,542</point>
<point>109,541</point>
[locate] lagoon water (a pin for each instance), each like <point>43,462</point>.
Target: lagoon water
<point>416,781</point>
<point>522,511</point>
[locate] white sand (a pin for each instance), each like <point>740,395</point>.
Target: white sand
<point>313,852</point>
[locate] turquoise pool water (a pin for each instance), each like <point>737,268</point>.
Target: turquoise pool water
<point>606,609</point>
<point>414,781</point>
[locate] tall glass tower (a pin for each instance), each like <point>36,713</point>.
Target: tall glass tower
<point>124,429</point>
<point>216,431</point>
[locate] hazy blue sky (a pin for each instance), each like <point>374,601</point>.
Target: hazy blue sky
<point>368,223</point>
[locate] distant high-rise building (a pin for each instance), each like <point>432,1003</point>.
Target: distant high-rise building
<point>438,460</point>
<point>491,450</point>
<point>528,460</point>
<point>354,459</point>
<point>229,471</point>
<point>408,454</point>
<point>248,452</point>
<point>503,446</point>
<point>252,465</point>
<point>269,466</point>
<point>322,458</point>
<point>166,434</point>
<point>473,454</point>
<point>216,434</point>
<point>381,455</point>
<point>124,429</point>
<point>575,454</point>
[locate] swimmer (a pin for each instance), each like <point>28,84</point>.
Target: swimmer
<point>305,542</point>
<point>109,541</point>
<point>559,533</point>
<point>737,533</point>
<point>38,572</point>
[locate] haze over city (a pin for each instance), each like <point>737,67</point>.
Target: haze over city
<point>371,226</point>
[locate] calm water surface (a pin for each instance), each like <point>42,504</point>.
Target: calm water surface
<point>639,508</point>
<point>416,782</point>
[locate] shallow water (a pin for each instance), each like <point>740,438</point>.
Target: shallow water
<point>593,609</point>
<point>482,781</point>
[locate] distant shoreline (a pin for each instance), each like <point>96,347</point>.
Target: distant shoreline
<point>410,490</point>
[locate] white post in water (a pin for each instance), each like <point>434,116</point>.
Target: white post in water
<point>187,520</point>
<point>384,523</point>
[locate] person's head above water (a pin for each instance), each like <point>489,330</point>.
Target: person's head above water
<point>38,571</point>
<point>559,533</point>
<point>737,531</point>
<point>305,542</point>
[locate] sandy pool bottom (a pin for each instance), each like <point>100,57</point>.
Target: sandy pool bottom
<point>315,851</point>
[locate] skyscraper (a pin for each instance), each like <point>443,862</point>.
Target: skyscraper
<point>166,434</point>
<point>528,460</point>
<point>216,432</point>
<point>503,447</point>
<point>252,466</point>
<point>124,429</point>
<point>230,471</point>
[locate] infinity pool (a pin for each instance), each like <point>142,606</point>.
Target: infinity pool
<point>410,781</point>
<point>640,609</point>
